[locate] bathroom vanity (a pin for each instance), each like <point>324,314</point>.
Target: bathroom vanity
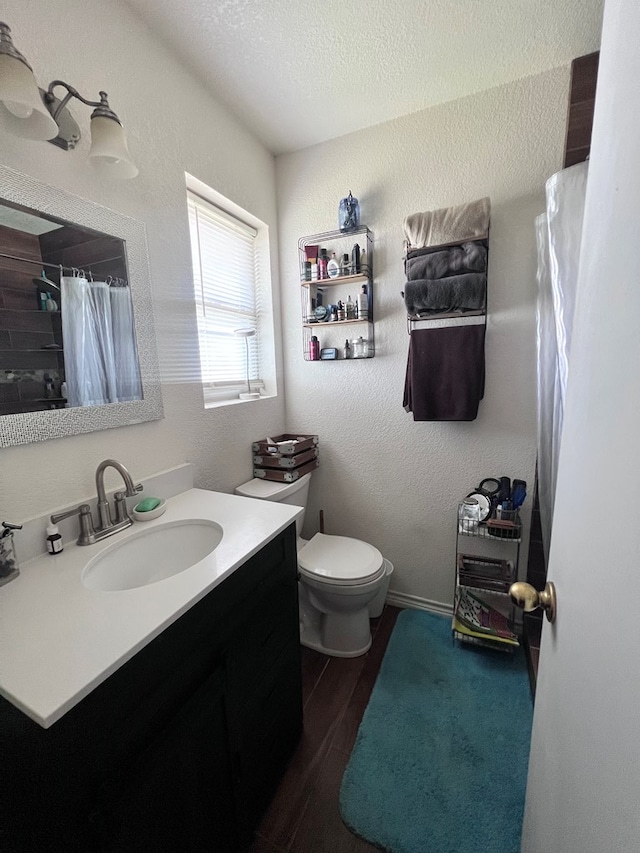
<point>181,745</point>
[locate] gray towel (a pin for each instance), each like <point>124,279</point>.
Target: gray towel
<point>445,295</point>
<point>470,257</point>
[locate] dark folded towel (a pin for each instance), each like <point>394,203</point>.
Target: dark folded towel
<point>469,257</point>
<point>444,295</point>
<point>445,373</point>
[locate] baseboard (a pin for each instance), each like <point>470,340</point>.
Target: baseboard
<point>414,602</point>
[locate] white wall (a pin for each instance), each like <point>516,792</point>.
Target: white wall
<point>173,125</point>
<point>384,477</point>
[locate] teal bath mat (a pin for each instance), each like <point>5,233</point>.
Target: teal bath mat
<point>440,761</point>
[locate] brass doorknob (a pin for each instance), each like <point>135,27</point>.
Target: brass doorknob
<point>528,597</point>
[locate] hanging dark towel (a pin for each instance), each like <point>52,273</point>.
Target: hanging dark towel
<point>445,373</point>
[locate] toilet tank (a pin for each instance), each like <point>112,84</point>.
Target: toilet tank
<point>295,493</point>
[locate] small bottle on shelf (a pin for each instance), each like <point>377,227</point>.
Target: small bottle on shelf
<point>314,349</point>
<point>355,260</point>
<point>49,386</point>
<point>323,261</point>
<point>350,310</point>
<point>347,349</point>
<point>363,304</point>
<point>341,313</point>
<point>333,267</point>
<point>344,265</point>
<point>359,348</point>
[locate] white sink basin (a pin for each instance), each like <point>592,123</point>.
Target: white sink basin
<point>152,555</point>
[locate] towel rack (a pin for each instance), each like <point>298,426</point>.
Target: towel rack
<point>460,318</point>
<point>448,318</point>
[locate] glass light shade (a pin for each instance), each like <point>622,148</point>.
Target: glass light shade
<point>109,153</point>
<point>23,111</point>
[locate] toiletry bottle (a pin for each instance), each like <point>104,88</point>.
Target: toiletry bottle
<point>307,271</point>
<point>340,310</point>
<point>323,260</point>
<point>355,259</point>
<point>363,261</point>
<point>350,309</point>
<point>333,314</point>
<point>52,305</point>
<point>363,304</point>
<point>49,387</point>
<point>314,349</point>
<point>54,539</point>
<point>333,267</point>
<point>344,265</point>
<point>347,349</point>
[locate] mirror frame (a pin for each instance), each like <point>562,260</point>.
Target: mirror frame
<point>56,423</point>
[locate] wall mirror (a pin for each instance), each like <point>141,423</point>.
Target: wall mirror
<point>77,343</point>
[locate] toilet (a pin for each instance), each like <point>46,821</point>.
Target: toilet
<point>340,578</point>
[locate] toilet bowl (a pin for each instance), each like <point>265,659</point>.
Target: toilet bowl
<point>339,578</point>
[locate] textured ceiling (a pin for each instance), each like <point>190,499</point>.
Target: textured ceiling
<point>298,72</point>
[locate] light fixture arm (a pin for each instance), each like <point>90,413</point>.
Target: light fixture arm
<point>102,107</point>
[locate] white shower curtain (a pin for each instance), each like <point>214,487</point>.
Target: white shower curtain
<point>128,383</point>
<point>95,346</point>
<point>558,235</point>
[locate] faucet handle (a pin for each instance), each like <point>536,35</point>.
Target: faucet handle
<point>87,532</point>
<point>120,503</point>
<point>79,510</point>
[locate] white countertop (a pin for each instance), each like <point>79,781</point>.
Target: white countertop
<point>59,640</point>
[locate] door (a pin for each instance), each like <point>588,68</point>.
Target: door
<point>584,774</point>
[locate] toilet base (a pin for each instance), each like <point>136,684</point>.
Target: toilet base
<point>339,635</point>
<point>310,637</point>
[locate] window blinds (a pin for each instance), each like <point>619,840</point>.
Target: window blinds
<point>224,273</point>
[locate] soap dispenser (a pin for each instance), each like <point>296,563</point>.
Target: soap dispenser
<point>9,568</point>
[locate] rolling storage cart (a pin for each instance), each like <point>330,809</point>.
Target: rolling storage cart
<point>487,559</point>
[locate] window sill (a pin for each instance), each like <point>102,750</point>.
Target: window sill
<point>216,404</point>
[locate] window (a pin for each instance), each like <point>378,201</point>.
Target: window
<point>226,275</point>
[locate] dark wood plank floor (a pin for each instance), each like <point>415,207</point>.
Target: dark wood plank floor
<point>304,815</point>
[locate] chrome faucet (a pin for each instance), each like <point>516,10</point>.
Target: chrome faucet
<point>104,513</point>
<point>106,527</point>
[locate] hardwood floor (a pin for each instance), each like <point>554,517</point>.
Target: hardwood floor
<point>303,816</point>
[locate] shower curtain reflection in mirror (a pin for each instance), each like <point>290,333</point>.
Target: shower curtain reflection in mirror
<point>100,355</point>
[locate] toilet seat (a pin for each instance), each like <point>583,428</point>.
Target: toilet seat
<point>340,560</point>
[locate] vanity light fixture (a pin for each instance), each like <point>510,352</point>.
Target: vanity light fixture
<point>32,113</point>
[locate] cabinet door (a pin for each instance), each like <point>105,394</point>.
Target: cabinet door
<point>178,794</point>
<point>268,729</point>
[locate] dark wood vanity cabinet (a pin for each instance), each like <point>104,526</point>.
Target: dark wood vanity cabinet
<point>182,748</point>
